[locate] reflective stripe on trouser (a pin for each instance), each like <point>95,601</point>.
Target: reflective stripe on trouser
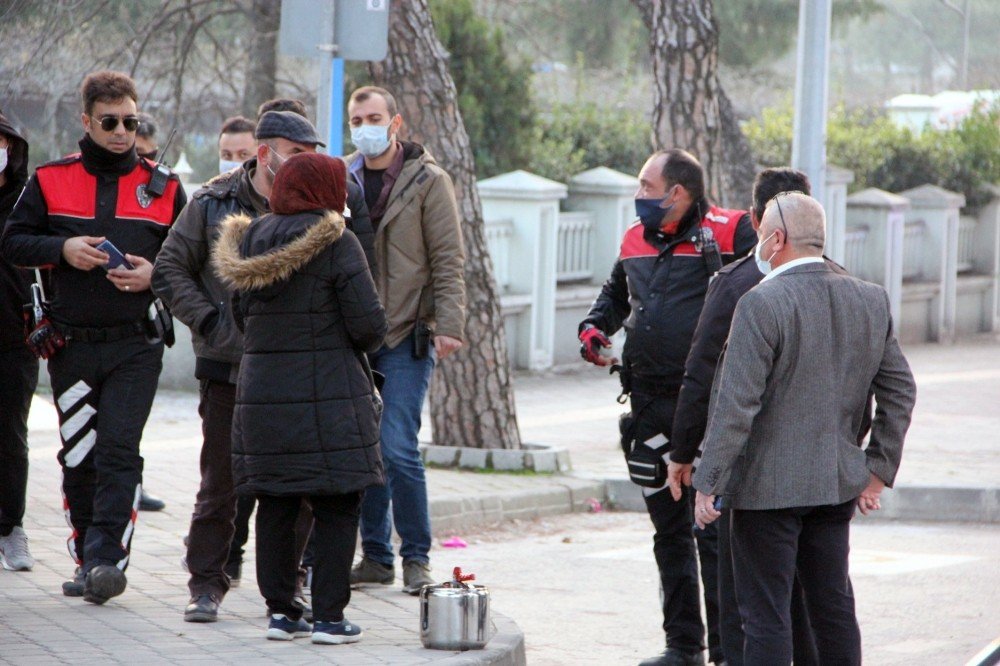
<point>103,394</point>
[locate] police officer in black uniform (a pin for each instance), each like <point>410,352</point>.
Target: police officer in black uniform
<point>656,291</point>
<point>691,420</point>
<point>103,333</point>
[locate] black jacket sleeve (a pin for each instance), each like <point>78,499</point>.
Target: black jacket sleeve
<point>360,222</point>
<point>363,315</point>
<point>710,335</point>
<point>611,307</point>
<point>27,240</point>
<point>176,273</point>
<point>744,239</point>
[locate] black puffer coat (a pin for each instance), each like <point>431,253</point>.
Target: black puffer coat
<point>306,420</point>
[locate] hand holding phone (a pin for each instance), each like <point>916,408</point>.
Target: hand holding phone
<point>115,257</point>
<point>80,252</point>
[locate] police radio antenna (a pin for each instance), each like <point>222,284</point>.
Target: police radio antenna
<point>163,150</point>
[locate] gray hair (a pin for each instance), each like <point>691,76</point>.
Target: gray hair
<point>804,221</point>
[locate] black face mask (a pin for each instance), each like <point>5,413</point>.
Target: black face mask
<point>652,212</point>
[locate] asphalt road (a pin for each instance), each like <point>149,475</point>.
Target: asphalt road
<point>583,587</point>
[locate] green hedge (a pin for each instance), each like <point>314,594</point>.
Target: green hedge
<point>880,154</point>
<point>570,138</point>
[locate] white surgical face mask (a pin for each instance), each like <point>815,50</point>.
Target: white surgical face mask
<point>280,161</point>
<point>764,266</point>
<point>228,165</point>
<point>371,140</point>
<point>3,159</point>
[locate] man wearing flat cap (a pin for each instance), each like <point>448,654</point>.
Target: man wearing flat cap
<point>183,277</point>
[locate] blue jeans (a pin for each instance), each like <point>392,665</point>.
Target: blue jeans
<point>406,381</point>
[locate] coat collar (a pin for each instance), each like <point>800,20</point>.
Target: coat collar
<point>277,265</point>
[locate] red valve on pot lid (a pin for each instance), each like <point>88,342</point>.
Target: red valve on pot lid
<point>459,577</point>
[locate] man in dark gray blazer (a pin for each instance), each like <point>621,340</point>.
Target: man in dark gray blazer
<point>805,348</point>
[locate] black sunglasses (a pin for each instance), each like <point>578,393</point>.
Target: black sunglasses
<point>109,123</point>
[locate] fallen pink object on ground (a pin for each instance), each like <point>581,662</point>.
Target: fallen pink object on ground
<point>595,505</point>
<point>454,542</point>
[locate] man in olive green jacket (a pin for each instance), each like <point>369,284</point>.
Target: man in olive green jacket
<point>420,262</point>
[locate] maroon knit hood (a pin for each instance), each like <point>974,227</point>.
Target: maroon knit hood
<point>308,182</point>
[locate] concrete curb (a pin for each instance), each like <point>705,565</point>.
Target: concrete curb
<point>559,495</point>
<point>506,648</point>
<point>922,503</point>
<point>534,457</point>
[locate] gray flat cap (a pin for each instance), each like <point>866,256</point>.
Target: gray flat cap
<point>287,125</point>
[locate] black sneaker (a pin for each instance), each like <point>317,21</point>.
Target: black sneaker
<point>336,633</point>
<point>369,571</point>
<point>202,608</point>
<point>74,588</point>
<point>282,628</point>
<point>103,582</point>
<point>235,571</point>
<point>674,657</point>
<point>149,503</point>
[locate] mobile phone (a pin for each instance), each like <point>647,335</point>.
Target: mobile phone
<point>115,257</point>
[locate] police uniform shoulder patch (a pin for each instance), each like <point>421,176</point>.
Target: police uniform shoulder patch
<point>143,197</point>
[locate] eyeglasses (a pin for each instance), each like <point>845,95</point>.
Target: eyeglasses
<point>781,215</point>
<point>109,123</point>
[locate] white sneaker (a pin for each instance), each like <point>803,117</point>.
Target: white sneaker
<point>14,553</point>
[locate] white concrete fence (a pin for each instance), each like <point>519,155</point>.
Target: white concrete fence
<point>554,244</point>
<point>941,269</point>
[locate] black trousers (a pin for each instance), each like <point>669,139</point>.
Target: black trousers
<point>678,545</point>
<point>768,548</point>
<point>212,528</point>
<point>245,504</point>
<point>103,393</point>
<point>220,522</point>
<point>336,528</point>
<point>18,380</point>
<point>731,624</point>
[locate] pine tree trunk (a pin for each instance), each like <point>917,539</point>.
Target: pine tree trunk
<point>690,109</point>
<point>471,397</point>
<point>262,68</point>
<point>739,166</point>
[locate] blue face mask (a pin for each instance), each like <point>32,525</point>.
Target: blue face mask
<point>652,211</point>
<point>764,266</point>
<point>371,140</point>
<point>228,165</point>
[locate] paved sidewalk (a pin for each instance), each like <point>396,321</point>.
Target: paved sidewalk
<point>953,445</point>
<point>951,461</point>
<point>954,440</point>
<point>145,624</point>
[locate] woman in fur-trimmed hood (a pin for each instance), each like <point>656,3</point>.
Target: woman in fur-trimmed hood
<point>306,422</point>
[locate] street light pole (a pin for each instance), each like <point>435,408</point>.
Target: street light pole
<point>811,76</point>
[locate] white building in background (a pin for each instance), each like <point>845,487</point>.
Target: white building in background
<point>942,111</point>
